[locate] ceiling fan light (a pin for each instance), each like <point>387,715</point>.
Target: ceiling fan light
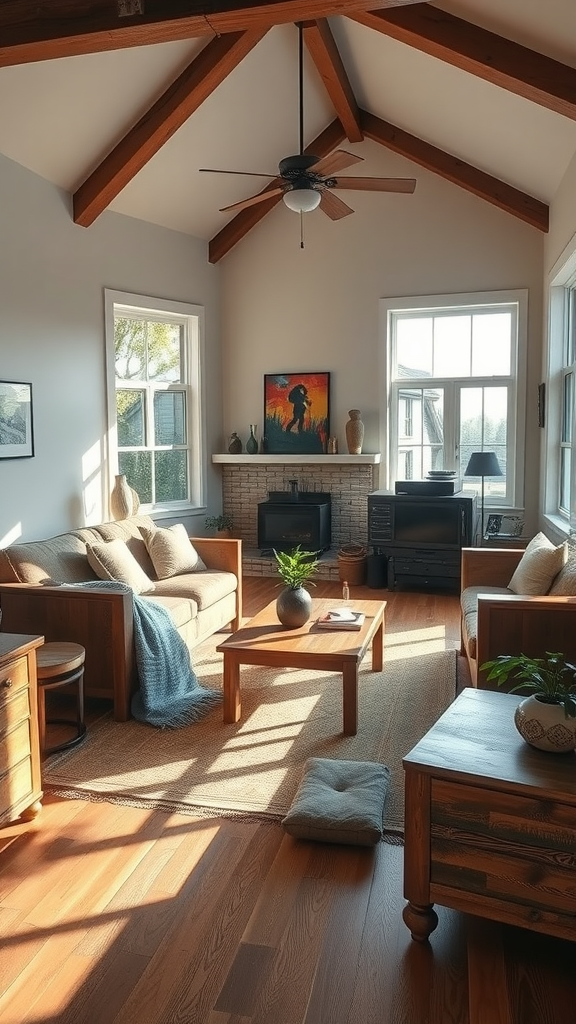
<point>302,200</point>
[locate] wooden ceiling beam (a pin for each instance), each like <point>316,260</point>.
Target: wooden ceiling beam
<point>488,56</point>
<point>483,185</point>
<point>332,136</point>
<point>321,46</point>
<point>30,31</point>
<point>212,65</point>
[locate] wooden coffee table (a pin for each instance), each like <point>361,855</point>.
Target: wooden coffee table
<point>264,641</point>
<point>490,823</point>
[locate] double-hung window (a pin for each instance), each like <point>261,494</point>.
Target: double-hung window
<point>155,415</point>
<point>560,420</point>
<point>453,365</point>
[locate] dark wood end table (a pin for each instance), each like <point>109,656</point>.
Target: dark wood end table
<point>490,822</point>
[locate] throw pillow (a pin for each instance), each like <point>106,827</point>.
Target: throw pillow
<point>171,552</point>
<point>339,802</point>
<point>539,564</point>
<point>111,560</point>
<point>565,583</point>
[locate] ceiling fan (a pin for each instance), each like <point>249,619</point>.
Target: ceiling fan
<point>308,181</point>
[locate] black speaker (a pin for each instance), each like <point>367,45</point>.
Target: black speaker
<point>377,572</point>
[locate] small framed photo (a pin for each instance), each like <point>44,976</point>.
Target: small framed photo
<point>16,431</point>
<point>296,413</point>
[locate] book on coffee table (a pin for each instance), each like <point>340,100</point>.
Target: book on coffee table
<point>341,618</point>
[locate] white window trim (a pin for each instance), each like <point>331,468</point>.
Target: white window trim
<point>405,304</point>
<point>561,277</point>
<point>195,389</point>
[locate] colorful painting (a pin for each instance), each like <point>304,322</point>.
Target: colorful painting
<point>296,413</point>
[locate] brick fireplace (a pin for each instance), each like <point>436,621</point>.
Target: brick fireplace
<point>247,479</point>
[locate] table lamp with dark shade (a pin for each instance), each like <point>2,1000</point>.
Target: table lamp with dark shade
<point>483,464</point>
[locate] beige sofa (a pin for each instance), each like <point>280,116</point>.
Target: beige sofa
<point>496,621</point>
<point>33,600</point>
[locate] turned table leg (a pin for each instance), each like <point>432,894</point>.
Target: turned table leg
<point>421,921</point>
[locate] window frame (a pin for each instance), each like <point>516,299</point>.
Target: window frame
<point>454,304</point>
<point>191,316</point>
<point>561,345</point>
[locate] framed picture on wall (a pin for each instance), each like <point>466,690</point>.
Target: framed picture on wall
<point>296,413</point>
<point>16,434</point>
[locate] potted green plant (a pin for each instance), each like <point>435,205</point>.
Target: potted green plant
<point>222,524</point>
<point>546,719</point>
<point>295,568</point>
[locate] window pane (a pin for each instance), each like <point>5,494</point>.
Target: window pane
<point>567,408</point>
<point>565,479</point>
<point>414,347</point>
<point>491,344</point>
<point>138,469</point>
<point>164,352</point>
<point>130,418</point>
<point>452,346</point>
<point>169,417</point>
<point>483,427</point>
<point>171,473</point>
<point>410,415</point>
<point>130,346</point>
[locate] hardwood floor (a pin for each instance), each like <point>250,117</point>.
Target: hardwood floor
<point>118,915</point>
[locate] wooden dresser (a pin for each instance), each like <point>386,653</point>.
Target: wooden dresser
<point>490,822</point>
<point>20,784</point>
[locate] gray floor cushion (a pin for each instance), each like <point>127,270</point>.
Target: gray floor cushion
<point>339,802</point>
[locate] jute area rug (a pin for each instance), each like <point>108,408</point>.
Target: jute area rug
<point>288,715</point>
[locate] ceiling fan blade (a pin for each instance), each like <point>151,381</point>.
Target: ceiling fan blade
<point>256,174</point>
<point>333,206</point>
<point>260,198</point>
<point>377,184</point>
<point>335,161</point>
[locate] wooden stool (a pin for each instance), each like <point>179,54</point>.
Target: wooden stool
<point>60,664</point>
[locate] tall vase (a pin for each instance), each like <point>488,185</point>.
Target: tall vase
<point>121,498</point>
<point>354,432</point>
<point>252,443</point>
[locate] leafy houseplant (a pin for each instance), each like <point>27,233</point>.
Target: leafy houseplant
<point>222,524</point>
<point>547,718</point>
<point>295,568</point>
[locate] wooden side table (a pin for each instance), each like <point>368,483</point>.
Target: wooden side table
<point>490,822</point>
<point>60,664</point>
<point>20,783</point>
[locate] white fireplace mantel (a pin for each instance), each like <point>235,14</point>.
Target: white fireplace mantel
<point>298,460</point>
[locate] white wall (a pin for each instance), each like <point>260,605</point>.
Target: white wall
<point>287,309</point>
<point>52,277</point>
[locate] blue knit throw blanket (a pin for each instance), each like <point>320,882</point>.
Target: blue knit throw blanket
<point>170,695</point>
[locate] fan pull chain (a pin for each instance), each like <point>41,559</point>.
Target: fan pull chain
<point>301,230</point>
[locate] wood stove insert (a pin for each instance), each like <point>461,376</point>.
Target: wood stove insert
<point>291,518</point>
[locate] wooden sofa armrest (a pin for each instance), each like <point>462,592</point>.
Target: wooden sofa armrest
<point>489,567</point>
<point>523,625</point>
<point>102,621</point>
<point>226,554</point>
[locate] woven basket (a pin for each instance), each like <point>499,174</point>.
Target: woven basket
<point>352,564</point>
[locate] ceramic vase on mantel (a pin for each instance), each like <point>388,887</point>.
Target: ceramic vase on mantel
<point>354,433</point>
<point>121,498</point>
<point>252,443</point>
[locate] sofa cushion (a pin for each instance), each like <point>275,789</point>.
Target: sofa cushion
<point>111,560</point>
<point>130,531</point>
<point>565,583</point>
<point>60,559</point>
<point>539,565</point>
<point>181,610</point>
<point>171,551</point>
<point>339,802</point>
<point>205,588</point>
<point>469,605</point>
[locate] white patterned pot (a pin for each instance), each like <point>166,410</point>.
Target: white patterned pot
<point>545,726</point>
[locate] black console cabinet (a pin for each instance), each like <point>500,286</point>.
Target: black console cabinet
<point>421,536</point>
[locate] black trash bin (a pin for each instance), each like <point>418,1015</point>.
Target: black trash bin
<point>377,572</point>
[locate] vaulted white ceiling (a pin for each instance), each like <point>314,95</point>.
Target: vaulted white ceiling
<point>61,117</point>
